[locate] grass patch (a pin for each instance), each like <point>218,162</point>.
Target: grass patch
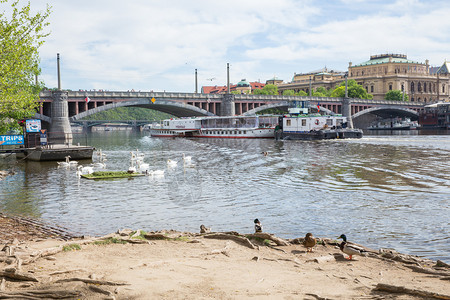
<point>261,241</point>
<point>139,237</point>
<point>110,241</point>
<point>182,239</point>
<point>71,247</point>
<point>110,174</point>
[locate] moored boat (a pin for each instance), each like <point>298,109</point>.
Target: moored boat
<point>217,127</point>
<point>394,124</point>
<point>300,125</point>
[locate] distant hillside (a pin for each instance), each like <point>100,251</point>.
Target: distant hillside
<point>129,113</point>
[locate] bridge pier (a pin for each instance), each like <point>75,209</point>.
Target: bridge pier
<point>227,107</point>
<point>347,111</point>
<point>60,130</point>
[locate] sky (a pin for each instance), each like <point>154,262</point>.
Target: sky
<point>151,45</point>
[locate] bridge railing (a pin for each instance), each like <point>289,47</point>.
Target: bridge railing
<point>205,97</point>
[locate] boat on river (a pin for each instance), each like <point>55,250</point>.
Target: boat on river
<point>299,124</point>
<point>256,126</point>
<point>394,124</point>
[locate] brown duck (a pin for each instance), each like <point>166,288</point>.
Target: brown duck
<point>309,242</point>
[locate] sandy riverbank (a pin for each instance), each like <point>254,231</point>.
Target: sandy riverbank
<point>175,265</point>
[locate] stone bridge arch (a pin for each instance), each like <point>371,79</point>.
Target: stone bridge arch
<point>385,111</point>
<point>283,105</point>
<point>178,109</point>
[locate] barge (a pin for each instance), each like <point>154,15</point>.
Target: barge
<point>299,124</point>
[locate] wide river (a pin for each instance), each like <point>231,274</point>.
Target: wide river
<point>383,191</point>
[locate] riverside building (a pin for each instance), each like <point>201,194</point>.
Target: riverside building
<point>380,74</point>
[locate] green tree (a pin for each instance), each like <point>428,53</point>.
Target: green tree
<point>20,37</point>
<point>268,89</point>
<point>288,93</point>
<point>395,95</point>
<point>302,93</point>
<point>354,90</point>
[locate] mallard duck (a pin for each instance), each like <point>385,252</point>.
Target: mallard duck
<point>309,242</point>
<point>204,229</point>
<point>258,226</point>
<point>350,249</point>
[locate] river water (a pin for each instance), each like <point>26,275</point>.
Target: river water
<point>390,191</point>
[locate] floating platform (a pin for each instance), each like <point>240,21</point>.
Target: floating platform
<point>56,152</point>
<point>111,175</point>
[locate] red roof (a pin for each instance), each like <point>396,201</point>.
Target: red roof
<point>223,89</point>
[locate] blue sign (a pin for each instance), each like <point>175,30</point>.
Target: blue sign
<point>11,140</point>
<point>33,125</point>
<point>43,137</point>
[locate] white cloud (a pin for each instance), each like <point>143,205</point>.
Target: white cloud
<point>156,45</point>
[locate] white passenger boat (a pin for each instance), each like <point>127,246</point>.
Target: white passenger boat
<point>300,125</point>
<point>217,127</point>
<point>394,124</point>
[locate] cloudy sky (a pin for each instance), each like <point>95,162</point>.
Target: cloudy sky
<point>157,45</point>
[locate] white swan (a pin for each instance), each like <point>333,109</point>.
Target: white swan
<point>65,163</point>
<point>144,168</point>
<point>157,173</point>
<point>171,163</point>
<point>99,165</point>
<point>187,159</point>
<point>85,170</point>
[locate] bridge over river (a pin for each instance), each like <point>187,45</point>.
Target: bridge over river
<point>195,104</point>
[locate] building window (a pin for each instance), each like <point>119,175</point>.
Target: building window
<point>425,88</point>
<point>429,87</point>
<point>367,88</point>
<point>419,87</point>
<point>371,88</point>
<point>412,87</point>
<point>390,87</point>
<point>403,87</point>
<point>443,88</point>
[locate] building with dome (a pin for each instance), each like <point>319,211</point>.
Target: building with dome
<point>386,72</point>
<point>380,74</point>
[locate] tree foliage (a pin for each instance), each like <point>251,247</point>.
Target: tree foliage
<point>395,95</point>
<point>354,90</point>
<point>129,113</point>
<point>21,34</point>
<point>268,89</point>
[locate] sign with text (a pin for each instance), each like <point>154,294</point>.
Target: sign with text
<point>11,140</point>
<point>43,137</point>
<point>33,125</point>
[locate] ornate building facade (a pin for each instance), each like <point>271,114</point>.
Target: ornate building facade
<point>328,79</point>
<point>386,72</point>
<point>380,74</point>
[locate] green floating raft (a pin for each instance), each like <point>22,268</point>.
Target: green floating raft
<point>111,174</point>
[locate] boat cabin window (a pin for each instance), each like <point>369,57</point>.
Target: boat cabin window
<point>329,122</point>
<point>339,122</point>
<point>303,122</point>
<point>288,122</point>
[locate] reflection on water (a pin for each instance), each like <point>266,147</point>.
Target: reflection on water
<point>382,191</point>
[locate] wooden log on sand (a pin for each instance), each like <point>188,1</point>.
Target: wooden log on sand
<point>40,294</point>
<point>92,281</point>
<point>237,238</point>
<point>18,276</point>
<point>268,236</point>
<point>403,290</point>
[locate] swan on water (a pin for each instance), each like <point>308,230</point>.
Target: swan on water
<point>171,163</point>
<point>85,170</point>
<point>187,159</point>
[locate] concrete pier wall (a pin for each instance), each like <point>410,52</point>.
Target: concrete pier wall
<point>60,130</point>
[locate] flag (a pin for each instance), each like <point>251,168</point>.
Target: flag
<point>318,106</point>
<point>87,99</point>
